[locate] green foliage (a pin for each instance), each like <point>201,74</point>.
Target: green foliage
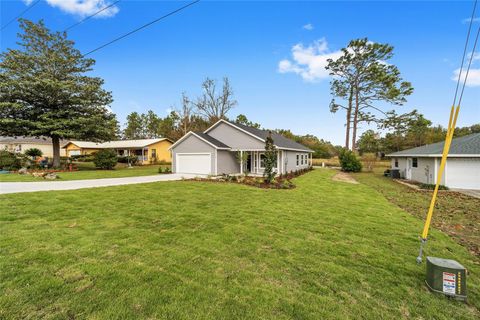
<point>45,90</point>
<point>429,186</point>
<point>9,161</point>
<point>349,161</point>
<point>105,159</point>
<point>242,119</point>
<point>362,82</point>
<point>369,142</point>
<point>33,152</point>
<point>270,159</point>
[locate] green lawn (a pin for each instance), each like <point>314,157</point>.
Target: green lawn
<point>88,171</point>
<point>186,249</point>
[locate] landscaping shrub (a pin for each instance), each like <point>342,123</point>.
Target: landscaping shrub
<point>429,186</point>
<point>105,159</point>
<point>349,161</point>
<point>83,157</point>
<point>34,153</point>
<point>10,161</point>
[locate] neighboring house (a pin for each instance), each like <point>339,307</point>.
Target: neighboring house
<point>462,169</point>
<point>146,150</point>
<point>218,150</point>
<point>20,144</point>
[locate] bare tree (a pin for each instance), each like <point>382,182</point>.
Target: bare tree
<point>213,105</point>
<point>185,114</point>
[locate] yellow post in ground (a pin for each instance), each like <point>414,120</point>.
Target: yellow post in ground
<point>448,140</point>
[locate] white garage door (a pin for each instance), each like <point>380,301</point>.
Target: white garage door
<point>199,163</point>
<point>463,173</point>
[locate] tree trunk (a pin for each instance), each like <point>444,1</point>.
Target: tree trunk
<point>349,116</point>
<point>56,151</point>
<point>355,122</point>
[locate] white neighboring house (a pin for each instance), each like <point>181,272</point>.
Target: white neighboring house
<point>20,144</point>
<point>462,170</point>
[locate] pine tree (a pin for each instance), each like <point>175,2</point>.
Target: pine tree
<point>45,90</point>
<point>270,159</point>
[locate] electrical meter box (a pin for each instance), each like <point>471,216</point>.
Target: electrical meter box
<point>447,277</point>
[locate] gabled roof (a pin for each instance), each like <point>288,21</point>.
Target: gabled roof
<point>206,138</point>
<point>279,140</point>
<point>119,144</point>
<point>467,146</point>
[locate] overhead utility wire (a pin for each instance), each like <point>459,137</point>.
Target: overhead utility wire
<point>142,27</point>
<point>469,64</point>
<point>464,52</point>
<point>21,14</point>
<point>91,16</point>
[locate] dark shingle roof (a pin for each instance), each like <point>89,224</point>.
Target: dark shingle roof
<point>467,145</point>
<point>279,140</point>
<point>212,140</point>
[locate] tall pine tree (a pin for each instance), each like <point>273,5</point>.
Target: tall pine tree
<point>45,90</point>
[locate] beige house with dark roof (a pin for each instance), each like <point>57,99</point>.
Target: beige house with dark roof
<point>20,144</point>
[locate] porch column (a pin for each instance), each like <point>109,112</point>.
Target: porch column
<point>241,162</point>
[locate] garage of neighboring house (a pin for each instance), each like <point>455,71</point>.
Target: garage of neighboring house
<point>462,170</point>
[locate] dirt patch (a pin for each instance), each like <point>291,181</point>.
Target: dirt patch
<point>344,177</point>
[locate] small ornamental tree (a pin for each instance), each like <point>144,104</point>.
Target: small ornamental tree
<point>270,159</point>
<point>349,161</point>
<point>105,159</point>
<point>34,153</point>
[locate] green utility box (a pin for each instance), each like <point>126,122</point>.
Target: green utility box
<point>447,277</point>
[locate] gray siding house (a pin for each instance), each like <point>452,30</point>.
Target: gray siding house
<point>217,150</point>
<point>462,169</point>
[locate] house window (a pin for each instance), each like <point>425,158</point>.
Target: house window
<point>262,160</point>
<point>298,159</point>
<point>154,153</point>
<point>414,162</point>
<point>396,163</point>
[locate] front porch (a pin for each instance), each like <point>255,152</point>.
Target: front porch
<point>253,162</point>
<point>140,154</point>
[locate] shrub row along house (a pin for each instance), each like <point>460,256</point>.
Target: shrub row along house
<point>231,148</point>
<point>147,151</point>
<point>462,169</point>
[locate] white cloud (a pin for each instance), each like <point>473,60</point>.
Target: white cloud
<point>467,20</point>
<point>308,27</point>
<point>83,8</point>
<point>309,62</point>
<point>27,2</point>
<point>473,79</point>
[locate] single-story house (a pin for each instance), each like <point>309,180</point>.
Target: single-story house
<point>20,144</point>
<point>462,169</point>
<point>218,150</point>
<point>147,150</point>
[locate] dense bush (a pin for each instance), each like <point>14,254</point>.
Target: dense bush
<point>105,159</point>
<point>10,161</point>
<point>349,161</point>
<point>128,159</point>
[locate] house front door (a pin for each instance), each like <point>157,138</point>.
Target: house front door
<point>408,170</point>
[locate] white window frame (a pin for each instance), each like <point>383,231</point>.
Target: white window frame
<point>260,160</point>
<point>298,159</point>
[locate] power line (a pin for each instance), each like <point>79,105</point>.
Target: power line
<point>142,27</point>
<point>464,52</point>
<point>21,14</point>
<point>469,64</point>
<point>91,16</point>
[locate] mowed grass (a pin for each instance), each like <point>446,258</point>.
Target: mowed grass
<point>88,171</point>
<point>456,214</point>
<point>195,250</point>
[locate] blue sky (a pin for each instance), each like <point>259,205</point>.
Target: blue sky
<point>271,51</point>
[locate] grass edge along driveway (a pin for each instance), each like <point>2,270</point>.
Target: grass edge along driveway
<point>186,249</point>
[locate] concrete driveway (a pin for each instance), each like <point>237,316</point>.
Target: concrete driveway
<point>20,187</point>
<point>469,192</point>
